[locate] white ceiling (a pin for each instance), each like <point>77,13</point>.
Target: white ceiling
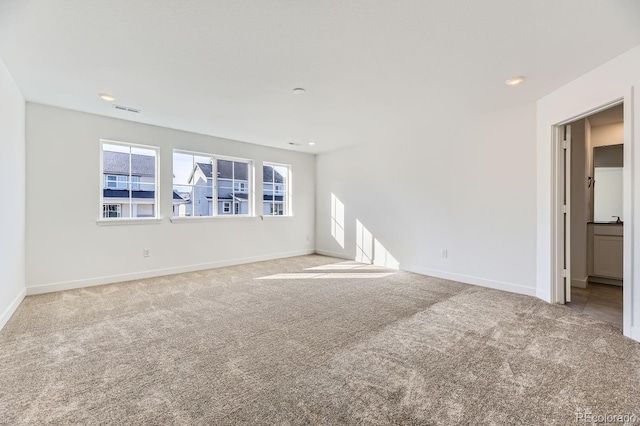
<point>374,71</point>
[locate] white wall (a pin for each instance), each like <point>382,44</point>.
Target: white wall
<point>607,134</point>
<point>12,188</point>
<point>468,187</point>
<point>613,80</point>
<point>66,248</point>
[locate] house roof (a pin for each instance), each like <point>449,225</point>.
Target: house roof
<point>236,196</point>
<point>207,168</point>
<point>268,172</point>
<point>273,198</point>
<point>226,169</point>
<point>117,163</point>
<point>124,193</point>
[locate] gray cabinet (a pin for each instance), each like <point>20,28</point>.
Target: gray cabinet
<point>607,251</point>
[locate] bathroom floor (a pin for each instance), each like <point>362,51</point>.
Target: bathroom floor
<point>601,301</point>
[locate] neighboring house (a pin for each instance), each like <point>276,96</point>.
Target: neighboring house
<point>124,198</point>
<point>233,187</point>
<point>232,190</point>
<point>273,188</point>
<point>200,200</point>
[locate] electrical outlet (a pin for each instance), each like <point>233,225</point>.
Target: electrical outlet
<point>307,238</point>
<point>145,253</point>
<point>445,253</point>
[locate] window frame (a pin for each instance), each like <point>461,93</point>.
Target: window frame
<point>250,190</point>
<point>103,178</point>
<point>287,203</point>
<point>213,183</point>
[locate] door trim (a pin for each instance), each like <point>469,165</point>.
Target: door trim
<point>557,236</point>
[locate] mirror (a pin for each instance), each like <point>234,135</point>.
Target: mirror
<point>607,190</point>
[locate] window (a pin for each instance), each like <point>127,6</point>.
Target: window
<point>192,184</point>
<point>276,190</point>
<point>111,210</point>
<point>129,180</point>
<point>196,193</point>
<point>232,186</point>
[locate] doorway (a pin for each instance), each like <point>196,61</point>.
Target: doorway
<point>590,214</point>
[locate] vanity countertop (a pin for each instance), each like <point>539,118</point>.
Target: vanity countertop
<point>606,223</point>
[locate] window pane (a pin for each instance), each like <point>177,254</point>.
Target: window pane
<point>275,189</point>
<point>233,189</point>
<point>182,206</point>
<point>182,168</point>
<point>193,185</point>
<point>115,160</point>
<point>241,171</point>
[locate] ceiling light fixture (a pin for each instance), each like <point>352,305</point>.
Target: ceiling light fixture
<point>298,91</point>
<point>515,81</point>
<point>107,97</point>
<point>312,143</point>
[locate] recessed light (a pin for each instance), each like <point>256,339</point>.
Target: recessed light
<point>312,143</point>
<point>514,81</point>
<point>298,91</point>
<point>107,97</point>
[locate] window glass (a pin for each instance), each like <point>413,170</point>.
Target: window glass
<point>192,185</point>
<point>276,192</point>
<point>129,181</point>
<point>233,187</point>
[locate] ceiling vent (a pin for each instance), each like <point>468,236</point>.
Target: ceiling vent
<point>294,144</point>
<point>127,109</point>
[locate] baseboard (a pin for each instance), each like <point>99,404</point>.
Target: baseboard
<point>579,283</point>
<point>468,279</point>
<point>90,282</point>
<point>603,280</point>
<point>543,295</point>
<point>334,254</point>
<point>12,308</point>
<point>635,334</point>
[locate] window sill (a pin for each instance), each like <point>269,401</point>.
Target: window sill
<point>271,217</point>
<point>127,221</point>
<point>196,219</point>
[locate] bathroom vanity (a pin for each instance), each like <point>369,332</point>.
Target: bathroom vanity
<point>605,252</point>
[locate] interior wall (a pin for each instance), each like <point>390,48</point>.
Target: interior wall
<point>609,82</point>
<point>466,189</point>
<point>579,204</point>
<point>607,134</point>
<point>67,248</point>
<point>12,187</point>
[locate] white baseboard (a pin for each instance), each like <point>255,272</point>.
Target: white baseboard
<point>12,308</point>
<point>580,283</point>
<point>544,295</point>
<point>89,282</point>
<point>468,279</point>
<point>334,254</point>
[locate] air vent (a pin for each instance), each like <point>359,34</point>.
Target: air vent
<point>294,144</point>
<point>127,109</point>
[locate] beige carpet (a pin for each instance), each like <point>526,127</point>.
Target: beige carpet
<point>308,344</point>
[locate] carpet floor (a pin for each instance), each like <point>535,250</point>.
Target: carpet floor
<point>309,340</point>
